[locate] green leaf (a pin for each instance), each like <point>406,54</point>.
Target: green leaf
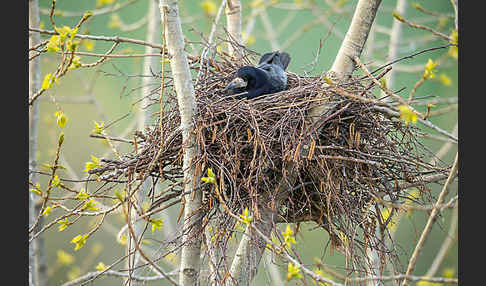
<point>87,14</point>
<point>293,271</point>
<point>90,205</point>
<point>82,195</point>
<point>53,44</point>
<point>246,217</point>
<point>211,178</point>
<point>56,182</point>
<point>63,224</point>
<point>79,241</point>
<point>94,163</point>
<point>397,16</point>
<point>99,127</point>
<point>288,236</point>
<point>61,118</point>
<point>407,115</point>
<point>47,211</point>
<point>430,69</point>
<point>101,266</point>
<point>49,79</point>
<point>64,258</point>
<point>157,224</point>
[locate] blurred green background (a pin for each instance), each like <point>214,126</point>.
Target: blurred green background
<point>116,96</point>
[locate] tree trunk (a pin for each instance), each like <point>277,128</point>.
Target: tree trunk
<point>37,263</point>
<point>396,35</point>
<point>250,250</point>
<point>233,22</point>
<point>191,238</point>
<point>355,38</point>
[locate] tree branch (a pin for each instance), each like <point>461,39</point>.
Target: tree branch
<point>430,221</point>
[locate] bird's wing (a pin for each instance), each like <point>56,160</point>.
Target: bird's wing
<point>267,58</point>
<point>284,60</point>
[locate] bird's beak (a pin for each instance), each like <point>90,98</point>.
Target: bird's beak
<point>236,83</point>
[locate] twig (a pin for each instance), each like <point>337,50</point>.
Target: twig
<point>384,89</point>
<point>430,221</point>
<point>116,39</point>
<point>409,57</point>
<point>111,138</point>
<point>96,12</point>
<point>408,277</point>
<point>449,239</point>
<point>90,275</point>
<point>417,26</point>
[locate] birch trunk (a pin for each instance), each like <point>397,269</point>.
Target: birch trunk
<point>352,46</point>
<point>37,263</point>
<point>191,238</point>
<point>233,22</point>
<point>250,250</point>
<point>144,116</point>
<point>355,38</point>
<point>396,35</point>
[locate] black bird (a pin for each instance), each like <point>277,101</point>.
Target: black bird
<point>268,77</point>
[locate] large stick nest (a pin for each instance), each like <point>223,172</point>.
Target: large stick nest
<point>342,159</point>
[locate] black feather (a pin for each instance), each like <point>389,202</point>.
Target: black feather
<point>268,77</point>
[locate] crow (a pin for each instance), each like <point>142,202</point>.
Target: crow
<point>267,77</point>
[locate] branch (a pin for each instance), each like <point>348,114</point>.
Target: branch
<point>430,221</point>
<point>449,239</point>
<point>143,119</point>
<point>96,12</point>
<point>114,273</point>
<point>421,27</point>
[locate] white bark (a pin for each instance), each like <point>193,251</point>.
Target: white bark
<point>233,22</point>
<point>396,35</point>
<point>250,250</point>
<point>191,239</point>
<point>355,38</point>
<point>456,18</point>
<point>352,46</point>
<point>36,276</point>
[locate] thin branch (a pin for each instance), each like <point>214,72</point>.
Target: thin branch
<point>430,221</point>
<point>417,26</point>
<point>96,12</point>
<point>448,241</point>
<point>90,275</point>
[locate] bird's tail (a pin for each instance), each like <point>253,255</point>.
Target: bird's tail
<point>282,59</point>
